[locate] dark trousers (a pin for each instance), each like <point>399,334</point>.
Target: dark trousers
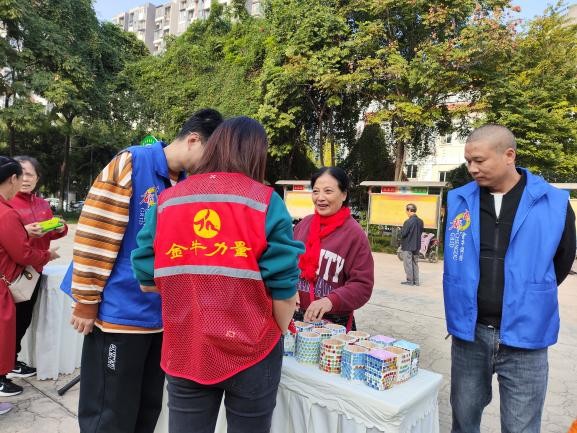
<point>121,383</point>
<point>249,398</point>
<point>24,316</point>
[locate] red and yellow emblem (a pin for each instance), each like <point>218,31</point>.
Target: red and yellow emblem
<point>206,223</point>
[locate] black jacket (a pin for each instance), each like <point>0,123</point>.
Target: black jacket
<point>411,234</point>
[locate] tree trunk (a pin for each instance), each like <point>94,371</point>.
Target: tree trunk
<point>400,154</point>
<point>321,141</point>
<point>64,172</point>
<point>65,167</point>
<point>332,138</point>
<point>11,139</point>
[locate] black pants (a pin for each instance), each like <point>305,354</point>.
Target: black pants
<point>24,316</point>
<point>249,398</point>
<point>121,383</point>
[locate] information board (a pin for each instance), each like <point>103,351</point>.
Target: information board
<point>389,209</point>
<point>299,203</point>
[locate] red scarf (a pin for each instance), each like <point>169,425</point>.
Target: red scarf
<point>320,228</point>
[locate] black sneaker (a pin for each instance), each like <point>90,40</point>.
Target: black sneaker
<point>8,388</point>
<point>21,370</point>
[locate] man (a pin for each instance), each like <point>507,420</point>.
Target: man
<point>510,241</point>
<point>411,244</point>
<point>121,380</point>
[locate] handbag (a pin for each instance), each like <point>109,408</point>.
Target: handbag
<point>23,286</point>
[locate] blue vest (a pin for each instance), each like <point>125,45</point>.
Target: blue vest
<point>123,302</point>
<point>530,317</point>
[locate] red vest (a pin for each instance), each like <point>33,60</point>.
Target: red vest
<point>216,310</point>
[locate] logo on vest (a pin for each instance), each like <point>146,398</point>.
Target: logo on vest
<point>206,223</point>
<point>457,235</point>
<point>149,197</point>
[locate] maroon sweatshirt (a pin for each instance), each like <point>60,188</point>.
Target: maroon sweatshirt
<point>346,268</point>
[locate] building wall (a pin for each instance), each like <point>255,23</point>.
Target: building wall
<point>153,23</point>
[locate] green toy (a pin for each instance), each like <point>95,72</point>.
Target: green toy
<point>50,224</point>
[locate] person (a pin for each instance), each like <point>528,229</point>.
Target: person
<point>121,383</point>
<point>510,241</point>
<point>411,244</point>
<point>337,268</point>
<point>219,247</point>
<point>32,210</point>
<point>16,252</point>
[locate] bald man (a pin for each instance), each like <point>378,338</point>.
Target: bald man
<point>509,242</point>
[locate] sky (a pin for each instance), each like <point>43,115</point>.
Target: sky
<point>106,9</point>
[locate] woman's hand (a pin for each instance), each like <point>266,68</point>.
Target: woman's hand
<point>53,254</point>
<point>61,229</point>
<point>317,309</point>
<point>298,301</point>
<point>34,230</point>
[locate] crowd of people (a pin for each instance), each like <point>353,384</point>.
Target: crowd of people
<point>187,269</point>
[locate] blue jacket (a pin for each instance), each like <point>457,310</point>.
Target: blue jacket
<point>530,317</point>
<point>123,302</point>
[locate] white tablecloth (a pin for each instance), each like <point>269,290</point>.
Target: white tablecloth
<point>51,344</point>
<point>311,401</point>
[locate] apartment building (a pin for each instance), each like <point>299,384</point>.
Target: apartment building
<point>152,23</point>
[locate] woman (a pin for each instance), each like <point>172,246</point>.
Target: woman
<point>337,269</point>
<point>225,266</point>
<point>32,210</point>
<point>16,253</point>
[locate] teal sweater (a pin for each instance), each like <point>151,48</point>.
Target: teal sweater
<point>278,264</point>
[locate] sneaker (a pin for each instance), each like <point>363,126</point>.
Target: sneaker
<point>5,408</point>
<point>21,370</point>
<point>407,283</point>
<point>8,388</point>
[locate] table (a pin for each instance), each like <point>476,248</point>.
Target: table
<point>51,344</point>
<point>311,401</point>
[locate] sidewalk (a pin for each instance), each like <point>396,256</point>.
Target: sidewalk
<point>413,313</point>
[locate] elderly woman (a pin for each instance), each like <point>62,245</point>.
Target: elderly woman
<point>337,269</point>
<point>32,210</point>
<point>16,253</point>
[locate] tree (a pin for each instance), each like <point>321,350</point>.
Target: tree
<point>412,57</point>
<point>535,95</point>
<point>306,93</point>
<point>369,159</point>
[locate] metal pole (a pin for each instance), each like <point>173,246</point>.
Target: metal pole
<point>368,210</point>
<point>439,219</point>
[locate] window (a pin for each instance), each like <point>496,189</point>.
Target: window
<point>443,176</point>
<point>182,16</point>
<point>448,138</point>
<point>411,171</point>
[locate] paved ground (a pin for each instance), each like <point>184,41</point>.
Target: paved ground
<point>414,313</point>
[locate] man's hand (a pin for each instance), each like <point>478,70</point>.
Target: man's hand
<point>317,309</point>
<point>83,326</point>
<point>34,230</point>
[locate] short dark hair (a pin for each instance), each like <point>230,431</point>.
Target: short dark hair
<point>9,167</point>
<point>339,174</point>
<point>238,145</point>
<point>203,122</point>
<point>411,207</point>
<point>34,162</point>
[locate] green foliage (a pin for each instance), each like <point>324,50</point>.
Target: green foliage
<point>535,95</point>
<point>413,56</point>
